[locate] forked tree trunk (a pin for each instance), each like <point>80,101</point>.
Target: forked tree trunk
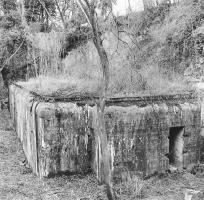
<point>102,147</point>
<point>129,6</point>
<point>103,153</point>
<point>103,150</point>
<point>61,14</point>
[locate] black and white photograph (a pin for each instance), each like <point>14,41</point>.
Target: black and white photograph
<point>101,99</point>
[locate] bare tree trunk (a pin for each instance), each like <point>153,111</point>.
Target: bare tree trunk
<point>104,173</point>
<point>103,148</point>
<point>104,159</point>
<point>22,11</point>
<point>129,5</point>
<point>61,14</point>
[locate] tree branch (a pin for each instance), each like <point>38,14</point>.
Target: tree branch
<point>46,10</point>
<point>61,15</point>
<point>84,10</point>
<point>12,55</point>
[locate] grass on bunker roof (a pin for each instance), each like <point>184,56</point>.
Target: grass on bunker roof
<point>62,85</point>
<point>80,71</point>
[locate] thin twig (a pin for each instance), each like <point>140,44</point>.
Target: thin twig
<point>60,12</point>
<point>46,11</point>
<point>85,11</point>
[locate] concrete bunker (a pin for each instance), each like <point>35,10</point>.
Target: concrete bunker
<point>58,135</point>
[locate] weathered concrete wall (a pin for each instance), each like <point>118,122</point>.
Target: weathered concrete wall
<point>64,141</point>
<point>200,87</point>
<point>59,137</point>
<point>54,136</point>
<point>22,109</point>
<point>141,135</point>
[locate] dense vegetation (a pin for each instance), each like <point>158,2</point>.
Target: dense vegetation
<point>155,48</point>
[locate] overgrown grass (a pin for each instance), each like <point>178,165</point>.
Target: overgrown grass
<point>43,52</point>
<point>143,62</point>
<point>176,22</point>
<point>80,72</point>
<point>169,41</point>
<point>48,85</point>
<point>131,189</point>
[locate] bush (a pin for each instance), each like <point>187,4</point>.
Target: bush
<point>144,60</point>
<point>164,37</point>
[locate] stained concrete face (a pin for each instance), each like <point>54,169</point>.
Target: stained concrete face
<point>200,89</point>
<point>64,139</point>
<point>141,136</point>
<point>55,136</point>
<point>22,109</point>
<point>59,137</point>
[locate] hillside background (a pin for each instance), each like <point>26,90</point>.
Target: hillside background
<point>158,50</point>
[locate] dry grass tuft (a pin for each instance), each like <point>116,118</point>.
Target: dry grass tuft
<point>44,52</point>
<point>133,71</point>
<point>47,85</point>
<point>130,189</point>
<point>80,72</point>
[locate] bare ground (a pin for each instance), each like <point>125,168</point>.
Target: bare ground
<point>18,183</point>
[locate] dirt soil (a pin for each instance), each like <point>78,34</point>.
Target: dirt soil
<point>18,183</point>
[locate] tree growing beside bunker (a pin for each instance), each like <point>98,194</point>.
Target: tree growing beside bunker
<point>104,150</point>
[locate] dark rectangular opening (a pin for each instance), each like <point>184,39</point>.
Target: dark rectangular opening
<point>176,144</point>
